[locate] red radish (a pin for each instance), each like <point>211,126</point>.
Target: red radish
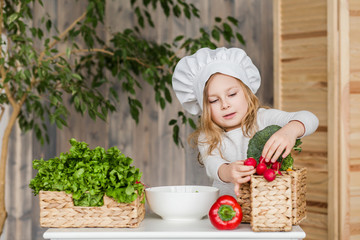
<point>275,166</point>
<point>270,175</point>
<point>260,169</point>
<point>250,162</point>
<point>262,160</point>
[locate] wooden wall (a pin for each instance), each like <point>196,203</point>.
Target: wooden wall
<point>354,126</point>
<point>316,66</point>
<point>300,83</point>
<point>150,142</point>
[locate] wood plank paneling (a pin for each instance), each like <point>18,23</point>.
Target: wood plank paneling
<point>323,37</point>
<point>301,84</point>
<point>354,138</point>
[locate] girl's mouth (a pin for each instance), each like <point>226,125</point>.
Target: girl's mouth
<point>229,116</point>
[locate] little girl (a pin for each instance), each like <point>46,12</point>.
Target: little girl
<point>220,85</point>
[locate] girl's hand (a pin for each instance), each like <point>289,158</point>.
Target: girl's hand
<point>282,141</point>
<point>237,173</point>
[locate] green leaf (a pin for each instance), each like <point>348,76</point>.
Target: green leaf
<point>187,13</point>
<point>192,123</point>
<point>149,18</point>
<point>48,25</point>
<point>82,107</point>
<point>139,17</point>
<point>33,31</point>
<point>215,34</point>
<point>162,103</point>
<point>40,33</point>
<point>240,38</point>
<point>129,190</point>
<point>233,20</point>
<point>178,38</point>
<point>79,173</point>
<point>135,105</point>
<point>172,122</point>
<point>165,7</point>
<point>168,95</point>
<point>146,2</point>
<point>92,114</point>
<point>13,17</point>
<point>177,11</point>
<point>195,11</point>
<point>228,33</point>
<point>77,76</point>
<point>218,19</point>
<point>114,93</point>
<point>176,134</point>
<point>68,54</point>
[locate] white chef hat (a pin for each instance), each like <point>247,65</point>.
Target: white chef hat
<point>192,72</point>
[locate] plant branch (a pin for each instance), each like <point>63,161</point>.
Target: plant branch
<point>52,44</point>
<point>81,51</point>
<point>62,35</point>
<point>144,64</point>
<point>106,52</point>
<point>6,87</point>
<point>178,52</point>
<point>3,158</point>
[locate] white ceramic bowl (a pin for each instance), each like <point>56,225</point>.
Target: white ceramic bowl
<point>181,202</point>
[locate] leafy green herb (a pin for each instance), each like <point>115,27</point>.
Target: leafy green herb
<point>89,174</point>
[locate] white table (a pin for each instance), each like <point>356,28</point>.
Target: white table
<point>153,227</point>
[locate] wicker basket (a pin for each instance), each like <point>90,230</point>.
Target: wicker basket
<point>298,195</point>
<point>245,202</point>
<point>271,204</point>
<point>57,210</point>
<point>298,191</point>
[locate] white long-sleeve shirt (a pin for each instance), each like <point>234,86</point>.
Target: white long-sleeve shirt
<point>234,143</point>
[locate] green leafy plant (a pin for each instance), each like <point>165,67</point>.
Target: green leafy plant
<point>88,174</point>
<point>37,77</point>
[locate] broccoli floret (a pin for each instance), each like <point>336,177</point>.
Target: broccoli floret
<point>257,143</point>
<point>287,163</point>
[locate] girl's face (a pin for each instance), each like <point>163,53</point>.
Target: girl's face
<point>227,101</point>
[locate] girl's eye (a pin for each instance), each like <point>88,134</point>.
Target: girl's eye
<point>212,101</point>
<point>233,94</point>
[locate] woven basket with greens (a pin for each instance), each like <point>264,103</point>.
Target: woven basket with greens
<point>88,174</point>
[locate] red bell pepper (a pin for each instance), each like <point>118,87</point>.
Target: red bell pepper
<point>225,213</point>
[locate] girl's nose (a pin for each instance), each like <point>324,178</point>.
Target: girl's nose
<point>225,105</point>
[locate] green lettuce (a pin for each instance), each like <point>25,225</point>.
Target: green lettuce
<point>88,174</point>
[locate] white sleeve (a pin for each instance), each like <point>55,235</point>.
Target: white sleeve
<point>211,162</point>
<point>277,117</point>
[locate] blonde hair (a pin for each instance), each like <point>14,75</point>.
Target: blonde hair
<point>213,132</point>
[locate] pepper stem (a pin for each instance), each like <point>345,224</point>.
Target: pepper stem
<point>226,212</point>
